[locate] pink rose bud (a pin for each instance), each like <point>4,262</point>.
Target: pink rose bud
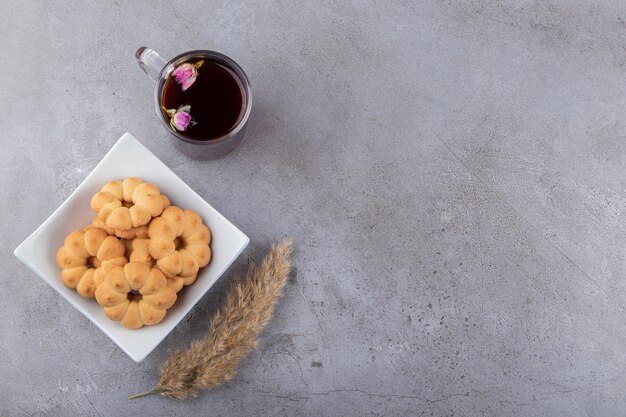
<point>181,120</point>
<point>185,75</point>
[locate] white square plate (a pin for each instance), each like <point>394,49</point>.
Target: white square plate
<point>129,158</point>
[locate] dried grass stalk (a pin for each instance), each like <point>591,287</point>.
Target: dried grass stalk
<point>213,360</point>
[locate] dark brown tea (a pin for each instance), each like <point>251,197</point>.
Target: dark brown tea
<point>215,96</point>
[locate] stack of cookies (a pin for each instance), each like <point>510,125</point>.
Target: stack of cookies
<point>137,254</point>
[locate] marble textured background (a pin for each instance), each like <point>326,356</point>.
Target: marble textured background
<point>453,174</point>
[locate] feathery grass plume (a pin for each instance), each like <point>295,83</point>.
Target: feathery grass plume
<point>213,360</point>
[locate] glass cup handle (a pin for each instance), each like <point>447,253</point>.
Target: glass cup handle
<point>150,62</point>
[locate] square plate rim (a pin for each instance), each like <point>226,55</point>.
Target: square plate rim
<point>18,252</point>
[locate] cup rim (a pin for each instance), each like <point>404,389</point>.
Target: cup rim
<point>221,59</point>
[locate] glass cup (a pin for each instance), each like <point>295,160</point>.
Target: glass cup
<point>159,70</point>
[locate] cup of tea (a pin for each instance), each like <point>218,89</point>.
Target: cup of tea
<point>202,97</point>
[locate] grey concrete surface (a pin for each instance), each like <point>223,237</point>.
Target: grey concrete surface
<point>453,174</point>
